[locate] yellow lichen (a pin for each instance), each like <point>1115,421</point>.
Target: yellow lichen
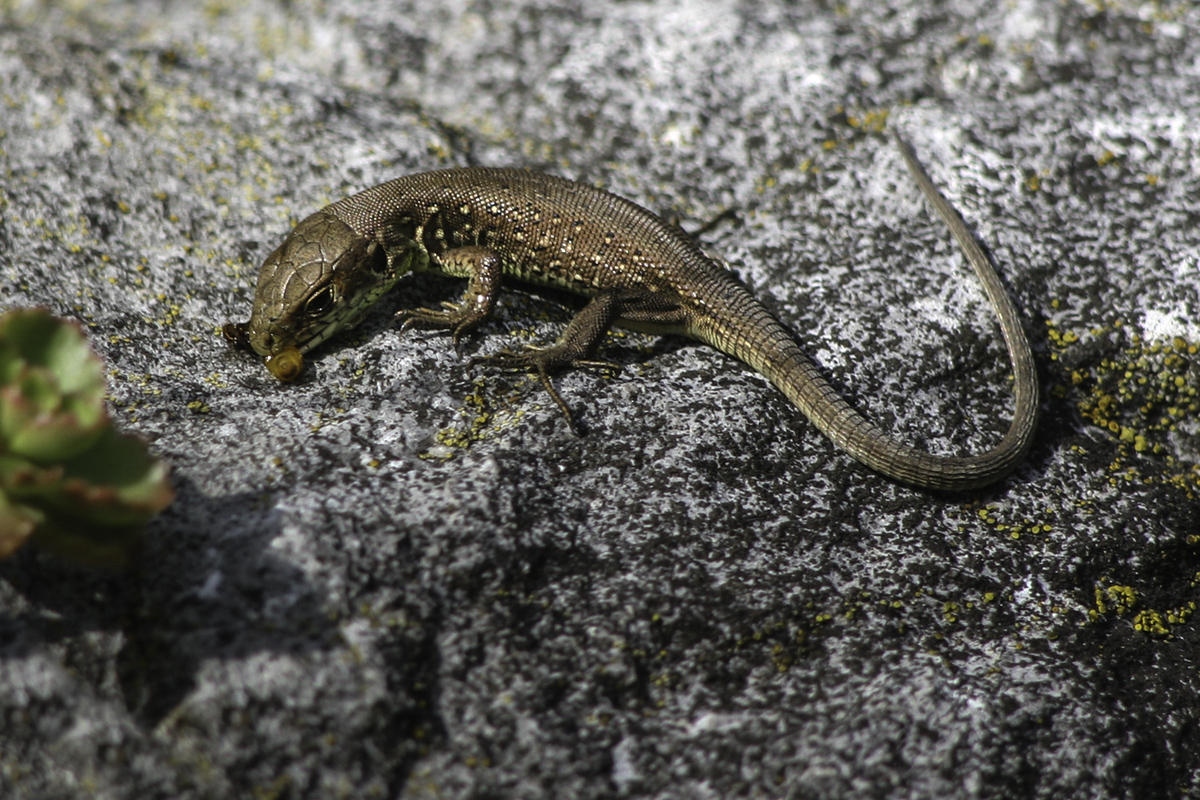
<point>1122,600</point>
<point>1140,394</point>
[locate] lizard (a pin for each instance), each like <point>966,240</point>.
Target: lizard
<point>490,225</point>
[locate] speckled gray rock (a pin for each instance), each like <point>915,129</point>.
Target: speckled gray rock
<point>401,578</point>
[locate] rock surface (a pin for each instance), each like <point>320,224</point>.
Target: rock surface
<point>399,577</point>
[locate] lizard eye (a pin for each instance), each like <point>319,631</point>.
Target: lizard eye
<point>320,303</point>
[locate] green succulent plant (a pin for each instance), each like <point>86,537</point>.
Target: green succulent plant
<point>69,481</point>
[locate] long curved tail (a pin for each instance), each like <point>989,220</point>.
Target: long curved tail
<point>760,341</point>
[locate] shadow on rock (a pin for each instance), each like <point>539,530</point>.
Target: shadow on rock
<point>189,598</point>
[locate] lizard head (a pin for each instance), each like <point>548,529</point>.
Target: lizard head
<point>323,278</point>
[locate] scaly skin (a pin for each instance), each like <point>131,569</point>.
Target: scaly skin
<point>488,225</point>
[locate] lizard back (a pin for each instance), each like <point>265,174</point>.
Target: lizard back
<point>548,230</point>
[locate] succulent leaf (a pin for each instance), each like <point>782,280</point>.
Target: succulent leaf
<point>17,523</point>
<point>52,397</point>
<point>69,481</point>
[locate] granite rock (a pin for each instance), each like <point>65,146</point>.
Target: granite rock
<point>401,577</point>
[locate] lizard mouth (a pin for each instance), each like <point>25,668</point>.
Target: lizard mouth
<point>286,364</point>
<point>285,361</point>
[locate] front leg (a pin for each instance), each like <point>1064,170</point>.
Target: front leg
<point>578,344</point>
<point>483,266</point>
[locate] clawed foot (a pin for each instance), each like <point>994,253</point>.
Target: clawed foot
<point>543,361</point>
<point>457,318</point>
